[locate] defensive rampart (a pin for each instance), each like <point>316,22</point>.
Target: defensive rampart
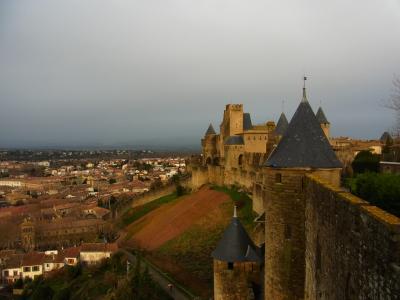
<point>352,247</point>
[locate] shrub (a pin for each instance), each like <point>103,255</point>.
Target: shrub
<point>382,190</point>
<point>365,161</point>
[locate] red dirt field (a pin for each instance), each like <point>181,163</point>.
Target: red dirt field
<point>169,221</point>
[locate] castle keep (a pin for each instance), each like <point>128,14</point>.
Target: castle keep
<point>320,241</point>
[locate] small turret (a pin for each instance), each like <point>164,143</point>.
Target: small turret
<point>247,124</point>
<point>282,125</point>
<point>210,130</point>
<point>323,121</point>
<point>209,145</point>
<point>236,263</point>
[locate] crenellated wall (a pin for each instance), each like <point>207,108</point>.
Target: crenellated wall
<point>244,175</point>
<point>352,247</point>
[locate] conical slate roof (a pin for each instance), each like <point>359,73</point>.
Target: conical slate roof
<point>385,137</point>
<point>234,140</point>
<point>321,117</point>
<point>210,130</point>
<point>236,245</point>
<point>304,144</point>
<point>247,125</point>
<point>282,125</point>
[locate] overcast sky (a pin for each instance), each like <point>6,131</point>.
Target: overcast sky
<point>101,72</point>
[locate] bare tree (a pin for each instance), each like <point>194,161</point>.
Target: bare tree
<point>394,103</point>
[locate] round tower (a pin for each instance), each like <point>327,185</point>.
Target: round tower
<point>323,121</point>
<point>237,264</point>
<point>303,148</point>
<point>28,234</point>
<point>209,146</point>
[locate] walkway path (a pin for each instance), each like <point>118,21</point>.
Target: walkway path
<point>177,293</point>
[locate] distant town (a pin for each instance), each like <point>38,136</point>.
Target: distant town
<point>69,199</point>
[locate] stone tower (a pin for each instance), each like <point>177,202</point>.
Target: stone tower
<point>323,121</point>
<point>28,234</point>
<point>232,124</point>
<point>209,146</point>
<point>303,148</point>
<point>237,263</point>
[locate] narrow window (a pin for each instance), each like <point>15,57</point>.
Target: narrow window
<point>278,178</point>
<point>230,265</point>
<point>287,232</point>
<point>318,256</point>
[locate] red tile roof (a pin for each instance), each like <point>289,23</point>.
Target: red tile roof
<point>99,247</point>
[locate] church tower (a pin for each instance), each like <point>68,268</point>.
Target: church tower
<point>237,263</point>
<point>303,149</point>
<point>28,234</point>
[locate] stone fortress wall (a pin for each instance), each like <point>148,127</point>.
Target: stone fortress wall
<point>352,247</point>
<point>320,241</point>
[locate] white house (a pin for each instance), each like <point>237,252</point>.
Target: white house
<point>92,253</point>
<point>32,265</point>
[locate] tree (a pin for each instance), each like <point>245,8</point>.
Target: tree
<point>156,184</point>
<point>394,103</point>
<point>382,190</point>
<point>112,181</point>
<point>42,292</point>
<point>365,161</point>
<point>180,190</point>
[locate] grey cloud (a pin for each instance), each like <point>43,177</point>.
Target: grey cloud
<point>104,72</point>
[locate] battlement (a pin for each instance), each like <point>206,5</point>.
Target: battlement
<point>237,107</point>
<point>364,206</point>
<point>352,247</point>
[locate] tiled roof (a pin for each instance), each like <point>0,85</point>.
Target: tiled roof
<point>33,259</point>
<point>304,144</point>
<point>71,252</point>
<point>247,125</point>
<point>282,125</point>
<point>321,117</point>
<point>99,247</point>
<point>236,245</point>
<point>385,137</point>
<point>234,140</point>
<point>210,130</point>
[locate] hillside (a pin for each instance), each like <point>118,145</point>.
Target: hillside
<point>107,281</point>
<point>180,235</point>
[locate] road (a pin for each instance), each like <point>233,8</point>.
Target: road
<point>175,293</point>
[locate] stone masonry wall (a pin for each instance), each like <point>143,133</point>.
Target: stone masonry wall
<point>234,284</point>
<point>352,248</point>
<point>284,234</point>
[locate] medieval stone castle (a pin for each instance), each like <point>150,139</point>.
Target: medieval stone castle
<point>313,240</point>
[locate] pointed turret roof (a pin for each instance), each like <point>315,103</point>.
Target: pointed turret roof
<point>321,116</point>
<point>210,130</point>
<point>385,137</point>
<point>282,125</point>
<point>247,125</point>
<point>304,144</point>
<point>234,140</point>
<point>236,245</point>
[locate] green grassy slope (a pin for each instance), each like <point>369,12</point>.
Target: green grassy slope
<point>190,253</point>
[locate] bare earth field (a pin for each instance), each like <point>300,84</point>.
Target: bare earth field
<point>171,220</point>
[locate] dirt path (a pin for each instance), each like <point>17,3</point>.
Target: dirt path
<point>175,292</point>
<point>169,221</point>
